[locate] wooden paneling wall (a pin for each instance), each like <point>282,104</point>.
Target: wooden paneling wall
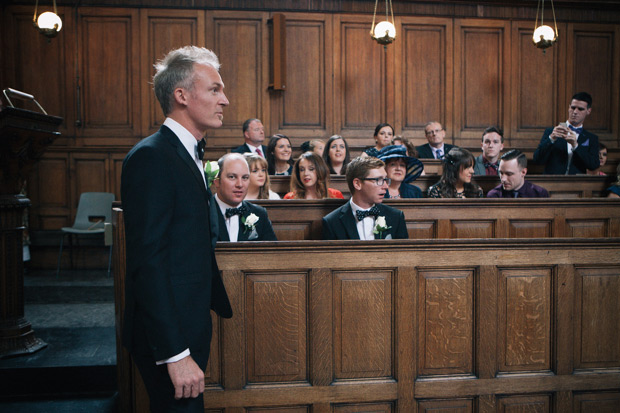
<point>466,72</point>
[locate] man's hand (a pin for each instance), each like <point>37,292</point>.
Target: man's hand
<point>559,132</point>
<point>571,137</point>
<point>188,379</point>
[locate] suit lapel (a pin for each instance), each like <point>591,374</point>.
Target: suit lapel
<point>348,221</point>
<point>222,231</point>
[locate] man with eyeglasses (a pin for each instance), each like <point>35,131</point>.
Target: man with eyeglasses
<point>364,217</point>
<point>569,149</point>
<point>254,135</point>
<point>435,148</point>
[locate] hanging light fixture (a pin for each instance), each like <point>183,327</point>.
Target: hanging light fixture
<point>48,23</point>
<point>544,36</point>
<point>384,32</point>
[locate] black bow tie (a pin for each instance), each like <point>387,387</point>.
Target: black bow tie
<point>235,211</point>
<point>372,212</point>
<point>574,129</point>
<point>200,149</point>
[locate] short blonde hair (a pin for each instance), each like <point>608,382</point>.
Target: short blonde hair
<point>252,160</point>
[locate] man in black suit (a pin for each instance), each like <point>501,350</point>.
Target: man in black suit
<point>435,148</point>
<point>569,149</point>
<point>364,217</point>
<point>254,135</point>
<point>239,220</point>
<point>172,277</point>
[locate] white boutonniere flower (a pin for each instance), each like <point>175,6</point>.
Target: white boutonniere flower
<point>211,170</point>
<point>249,222</point>
<point>380,226</point>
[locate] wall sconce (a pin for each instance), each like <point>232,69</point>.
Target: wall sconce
<point>384,32</point>
<point>544,36</point>
<point>48,23</point>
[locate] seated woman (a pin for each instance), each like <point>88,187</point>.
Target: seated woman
<point>260,187</point>
<point>279,152</point>
<point>310,179</point>
<point>315,145</point>
<point>384,132</point>
<point>456,180</point>
<point>614,190</point>
<point>602,157</point>
<point>402,170</point>
<point>336,155</point>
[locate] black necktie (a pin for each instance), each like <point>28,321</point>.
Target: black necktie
<point>235,211</point>
<point>200,149</point>
<point>360,214</point>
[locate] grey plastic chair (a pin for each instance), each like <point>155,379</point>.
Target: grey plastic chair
<point>92,205</point>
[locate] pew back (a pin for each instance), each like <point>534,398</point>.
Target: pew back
<point>465,218</point>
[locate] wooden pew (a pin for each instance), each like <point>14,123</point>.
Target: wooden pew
<point>559,186</point>
<point>465,218</point>
<point>410,326</point>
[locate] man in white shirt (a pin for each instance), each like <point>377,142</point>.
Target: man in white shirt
<point>365,217</point>
<point>254,135</point>
<point>569,149</point>
<point>238,220</point>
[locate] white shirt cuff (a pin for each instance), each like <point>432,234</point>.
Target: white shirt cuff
<point>176,358</point>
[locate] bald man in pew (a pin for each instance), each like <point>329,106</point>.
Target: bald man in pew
<point>238,220</point>
<point>365,217</point>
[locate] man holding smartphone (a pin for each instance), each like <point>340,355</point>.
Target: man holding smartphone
<point>568,149</point>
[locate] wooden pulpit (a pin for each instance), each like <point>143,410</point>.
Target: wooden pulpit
<point>24,136</point>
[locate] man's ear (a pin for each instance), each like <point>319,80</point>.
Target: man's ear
<point>524,171</point>
<point>217,183</point>
<point>357,184</point>
<point>180,96</point>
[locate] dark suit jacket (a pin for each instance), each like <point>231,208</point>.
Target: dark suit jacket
<point>172,277</point>
<point>554,155</point>
<point>264,230</point>
<point>425,151</point>
<point>245,148</point>
<point>341,224</point>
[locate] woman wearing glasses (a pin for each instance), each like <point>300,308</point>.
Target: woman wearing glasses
<point>401,169</point>
<point>310,179</point>
<point>456,180</point>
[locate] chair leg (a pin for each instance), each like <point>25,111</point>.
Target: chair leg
<point>71,250</point>
<point>62,239</point>
<point>110,261</point>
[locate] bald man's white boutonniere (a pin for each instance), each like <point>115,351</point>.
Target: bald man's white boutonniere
<point>249,222</point>
<point>380,226</point>
<point>211,170</point>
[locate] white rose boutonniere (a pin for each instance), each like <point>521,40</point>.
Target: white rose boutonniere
<point>211,170</point>
<point>380,226</point>
<point>249,222</point>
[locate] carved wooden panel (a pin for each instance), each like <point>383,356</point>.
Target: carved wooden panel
<point>91,172</point>
<point>599,46</point>
<point>287,231</point>
<point>602,402</point>
<point>426,53</point>
<point>276,306</point>
<point>597,317</point>
<point>522,228</point>
<point>445,322</point>
<point>38,66</point>
<point>164,30</point>
<point>110,104</point>
<point>363,324</point>
<point>481,87</point>
<point>244,69</point>
<point>364,408</point>
<point>590,228</point>
<point>213,372</point>
<point>422,229</point>
<point>306,105</point>
<point>298,409</point>
<point>47,188</point>
<point>446,406</point>
<point>473,228</point>
<point>535,91</point>
<point>360,75</point>
<point>525,404</point>
<point>525,319</point>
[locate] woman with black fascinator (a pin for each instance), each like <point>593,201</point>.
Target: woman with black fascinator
<point>456,180</point>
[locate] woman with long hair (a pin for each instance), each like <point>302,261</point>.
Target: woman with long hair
<point>456,180</point>
<point>384,132</point>
<point>260,186</point>
<point>336,155</point>
<point>310,179</point>
<point>402,169</point>
<point>279,155</point>
<point>602,158</point>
